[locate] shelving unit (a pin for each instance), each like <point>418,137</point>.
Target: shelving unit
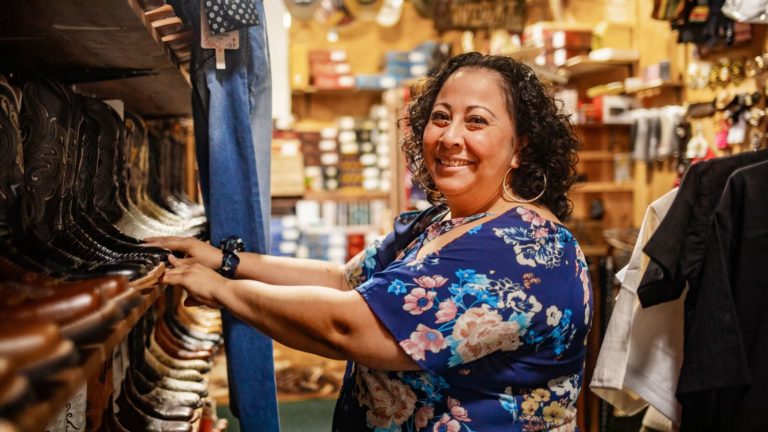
<point>137,51</point>
<point>65,384</point>
<point>658,86</point>
<point>115,50</point>
<point>582,65</point>
<point>339,91</point>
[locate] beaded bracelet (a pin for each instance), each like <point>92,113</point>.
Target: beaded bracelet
<point>230,246</point>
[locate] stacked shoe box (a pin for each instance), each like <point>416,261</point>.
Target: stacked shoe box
<point>329,158</point>
<point>320,237</point>
<point>310,150</point>
<point>330,70</point>
<point>557,42</point>
<point>403,65</point>
<point>287,164</point>
<point>376,157</point>
<point>285,235</point>
<point>351,170</point>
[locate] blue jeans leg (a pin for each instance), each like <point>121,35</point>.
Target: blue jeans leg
<point>232,113</point>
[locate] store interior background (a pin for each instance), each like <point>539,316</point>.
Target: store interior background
<point>333,192</point>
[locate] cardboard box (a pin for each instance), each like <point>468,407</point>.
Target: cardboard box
<point>333,82</point>
<point>553,35</point>
<point>327,55</point>
<point>330,68</point>
<point>614,109</point>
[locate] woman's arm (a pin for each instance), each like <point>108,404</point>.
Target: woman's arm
<point>265,268</point>
<point>330,323</point>
<point>291,271</point>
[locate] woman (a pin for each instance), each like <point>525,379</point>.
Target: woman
<point>478,324</point>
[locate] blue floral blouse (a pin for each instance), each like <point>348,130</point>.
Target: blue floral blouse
<point>497,319</point>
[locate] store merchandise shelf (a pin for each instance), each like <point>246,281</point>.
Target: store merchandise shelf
<point>109,51</point>
<point>655,88</point>
<point>66,383</point>
<point>594,250</point>
<point>601,187</point>
<point>525,53</point>
<point>596,156</point>
<point>578,126</point>
<point>329,91</point>
<point>582,65</point>
<point>345,196</point>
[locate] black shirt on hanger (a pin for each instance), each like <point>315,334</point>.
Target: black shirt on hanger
<point>724,377</point>
<point>677,248</point>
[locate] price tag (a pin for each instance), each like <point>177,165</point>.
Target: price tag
<point>225,41</point>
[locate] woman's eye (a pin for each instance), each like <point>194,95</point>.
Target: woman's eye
<point>439,117</point>
<point>477,120</point>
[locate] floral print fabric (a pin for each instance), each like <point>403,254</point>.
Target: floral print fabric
<point>497,319</point>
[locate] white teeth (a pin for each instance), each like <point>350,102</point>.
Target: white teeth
<point>454,162</point>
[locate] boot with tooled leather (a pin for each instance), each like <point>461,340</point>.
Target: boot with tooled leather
<point>72,236</point>
<point>49,115</point>
<point>95,136</point>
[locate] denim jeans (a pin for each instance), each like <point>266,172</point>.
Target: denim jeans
<point>232,110</point>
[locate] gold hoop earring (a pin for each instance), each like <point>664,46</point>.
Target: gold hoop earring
<point>514,198</point>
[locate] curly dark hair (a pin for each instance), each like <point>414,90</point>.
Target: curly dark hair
<point>548,142</point>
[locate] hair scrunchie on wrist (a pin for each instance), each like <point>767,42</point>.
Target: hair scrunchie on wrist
<point>230,246</point>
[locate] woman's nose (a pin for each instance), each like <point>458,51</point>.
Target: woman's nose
<point>451,135</point>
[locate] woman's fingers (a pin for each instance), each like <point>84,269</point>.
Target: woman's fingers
<point>172,243</point>
<point>177,262</point>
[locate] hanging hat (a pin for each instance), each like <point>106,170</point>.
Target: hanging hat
<point>390,13</point>
<point>425,8</point>
<point>364,10</point>
<point>302,10</point>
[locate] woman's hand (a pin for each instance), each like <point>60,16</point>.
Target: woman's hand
<point>195,251</point>
<point>200,282</point>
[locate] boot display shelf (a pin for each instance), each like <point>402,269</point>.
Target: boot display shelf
<point>66,383</point>
<point>134,50</point>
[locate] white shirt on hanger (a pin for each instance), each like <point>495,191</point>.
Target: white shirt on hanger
<point>642,352</point>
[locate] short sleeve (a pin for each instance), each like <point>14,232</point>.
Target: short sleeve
<point>483,293</point>
<point>381,252</point>
<point>663,280</point>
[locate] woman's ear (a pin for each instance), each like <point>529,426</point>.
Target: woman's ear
<point>519,145</point>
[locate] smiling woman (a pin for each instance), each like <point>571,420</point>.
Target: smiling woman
<point>472,315</point>
<point>541,147</point>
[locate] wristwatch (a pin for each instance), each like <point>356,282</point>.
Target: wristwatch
<point>230,246</point>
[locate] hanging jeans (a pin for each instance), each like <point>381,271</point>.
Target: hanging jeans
<point>232,110</point>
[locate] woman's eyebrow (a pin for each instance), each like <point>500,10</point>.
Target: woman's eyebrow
<point>482,108</point>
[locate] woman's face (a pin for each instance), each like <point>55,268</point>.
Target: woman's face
<point>468,141</point>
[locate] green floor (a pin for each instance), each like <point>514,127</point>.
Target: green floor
<point>315,416</point>
<point>305,416</point>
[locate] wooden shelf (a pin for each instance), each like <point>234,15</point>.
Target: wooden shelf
<point>655,86</point>
<point>345,91</point>
<point>582,65</point>
<point>600,187</point>
<point>525,53</point>
<point>109,51</point>
<point>596,156</point>
<point>345,195</point>
<point>594,250</point>
<point>92,357</point>
<point>657,89</point>
<point>578,126</point>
